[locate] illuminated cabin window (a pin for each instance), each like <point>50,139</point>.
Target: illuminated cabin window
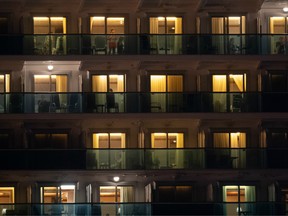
<point>165,25</point>
<point>119,194</point>
<point>106,83</point>
<point>50,83</point>
<point>58,194</point>
<point>109,140</point>
<point>7,195</point>
<point>222,84</point>
<point>49,25</point>
<point>229,140</point>
<point>228,25</point>
<point>167,140</point>
<point>103,25</point>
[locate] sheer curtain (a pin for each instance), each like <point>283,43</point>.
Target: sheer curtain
<point>157,85</point>
<point>178,39</point>
<point>219,84</point>
<point>99,84</point>
<point>61,86</point>
<point>221,140</point>
<point>154,29</point>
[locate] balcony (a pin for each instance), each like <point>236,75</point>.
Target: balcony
<point>140,102</point>
<point>179,208</point>
<point>143,159</point>
<point>144,44</point>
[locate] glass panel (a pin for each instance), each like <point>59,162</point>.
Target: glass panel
<point>218,25</point>
<point>234,25</point>
<point>108,194</point>
<point>175,140</point>
<point>99,83</point>
<point>159,140</point>
<point>3,25</point>
<point>278,140</point>
<point>7,82</point>
<point>4,140</point>
<point>238,140</point>
<point>67,194</point>
<point>221,140</point>
<point>2,83</point>
<point>219,85</point>
<point>41,25</point>
<point>41,83</point>
<point>277,25</point>
<point>278,82</point>
<point>97,25</point>
<point>116,23</point>
<point>7,195</point>
<point>236,83</point>
<point>183,194</point>
<point>166,194</point>
<point>158,83</point>
<point>100,140</point>
<point>154,25</point>
<point>59,141</point>
<point>51,195</point>
<point>116,83</point>
<point>117,140</point>
<point>175,83</point>
<point>58,25</point>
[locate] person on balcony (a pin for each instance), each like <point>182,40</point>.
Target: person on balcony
<point>112,42</point>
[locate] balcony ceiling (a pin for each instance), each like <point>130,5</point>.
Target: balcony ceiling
<point>138,5</point>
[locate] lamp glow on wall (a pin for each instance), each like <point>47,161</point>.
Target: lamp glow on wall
<point>285,9</point>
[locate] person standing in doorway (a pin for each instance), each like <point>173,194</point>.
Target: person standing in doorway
<point>112,42</point>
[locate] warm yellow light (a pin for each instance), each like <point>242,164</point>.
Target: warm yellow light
<point>98,18</point>
<point>41,76</point>
<point>57,18</point>
<point>159,134</point>
<point>116,19</point>
<point>171,18</point>
<point>161,18</point>
<point>67,187</point>
<point>40,18</point>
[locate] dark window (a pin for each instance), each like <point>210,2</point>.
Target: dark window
<point>50,140</point>
<point>175,193</point>
<point>3,25</point>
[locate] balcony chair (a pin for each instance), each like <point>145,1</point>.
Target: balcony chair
<point>100,45</point>
<point>155,106</point>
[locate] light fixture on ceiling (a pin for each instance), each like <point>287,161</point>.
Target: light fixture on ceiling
<point>116,178</point>
<point>50,67</point>
<point>285,9</point>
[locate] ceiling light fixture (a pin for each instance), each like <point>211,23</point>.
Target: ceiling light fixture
<point>116,178</point>
<point>50,67</point>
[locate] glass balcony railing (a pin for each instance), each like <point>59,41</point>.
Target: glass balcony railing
<point>139,102</point>
<point>146,209</point>
<point>143,159</point>
<point>144,44</point>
